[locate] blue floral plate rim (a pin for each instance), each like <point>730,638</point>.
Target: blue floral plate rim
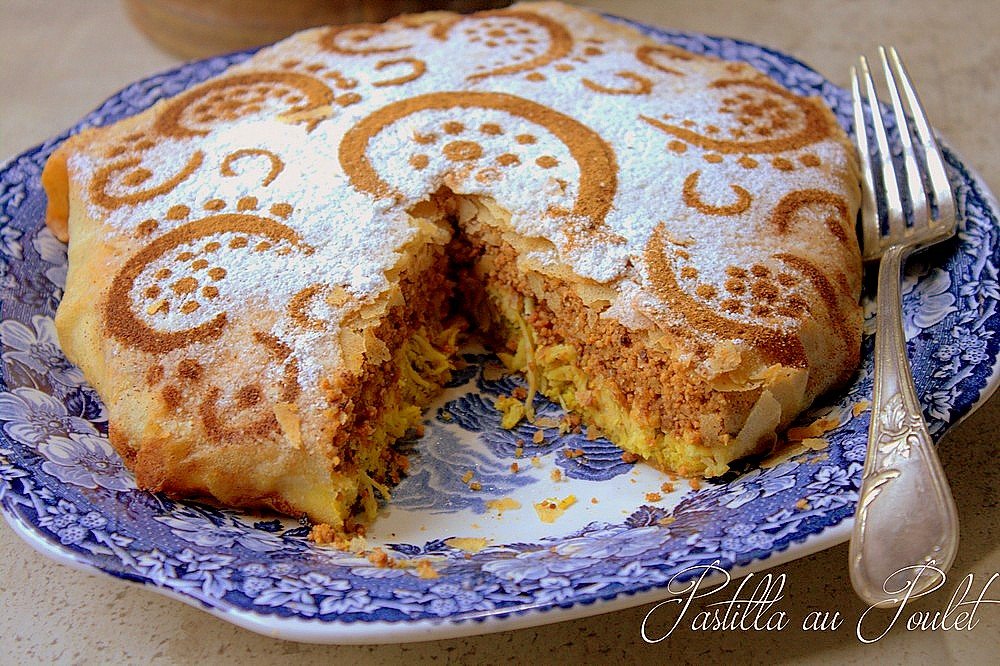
<point>518,587</point>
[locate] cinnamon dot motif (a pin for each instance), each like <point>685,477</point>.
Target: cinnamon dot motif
<point>248,396</point>
<point>419,161</point>
<point>521,28</point>
<point>706,291</point>
<point>698,309</point>
<point>154,374</point>
<point>365,39</point>
<point>132,325</point>
<point>108,189</point>
<point>185,285</point>
<point>463,151</point>
<point>178,212</point>
<point>146,227</point>
<point>593,158</point>
<point>782,164</point>
<point>241,95</point>
<point>282,210</point>
<point>547,161</point>
<point>775,119</point>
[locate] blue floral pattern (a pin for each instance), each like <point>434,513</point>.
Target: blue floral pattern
<point>65,489</point>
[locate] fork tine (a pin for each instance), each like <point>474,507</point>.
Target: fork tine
<point>869,209</point>
<point>894,206</point>
<point>911,170</point>
<point>935,163</point>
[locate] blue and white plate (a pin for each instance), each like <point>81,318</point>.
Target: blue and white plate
<point>65,491</point>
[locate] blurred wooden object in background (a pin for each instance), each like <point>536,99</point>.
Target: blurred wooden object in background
<point>200,28</point>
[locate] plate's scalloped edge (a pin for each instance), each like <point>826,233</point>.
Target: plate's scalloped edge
<point>477,622</point>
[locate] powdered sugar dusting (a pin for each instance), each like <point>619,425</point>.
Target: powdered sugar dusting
<point>646,167</point>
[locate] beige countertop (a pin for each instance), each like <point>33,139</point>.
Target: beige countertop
<point>59,59</point>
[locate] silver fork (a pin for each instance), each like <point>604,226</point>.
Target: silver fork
<point>906,527</point>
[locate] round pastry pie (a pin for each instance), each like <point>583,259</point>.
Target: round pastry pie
<point>266,271</point>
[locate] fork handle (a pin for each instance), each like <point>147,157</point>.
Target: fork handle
<point>906,515</point>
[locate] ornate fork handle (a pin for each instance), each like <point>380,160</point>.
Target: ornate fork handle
<point>906,516</point>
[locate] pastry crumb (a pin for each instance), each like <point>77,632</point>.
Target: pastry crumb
<point>629,457</point>
<point>536,462</point>
<point>814,429</point>
<point>503,504</point>
<point>556,475</point>
<point>694,483</point>
<point>667,487</point>
<point>654,497</point>
<point>323,535</point>
<point>815,443</point>
<point>425,569</point>
<point>861,407</point>
<point>538,437</point>
<point>380,559</point>
<point>512,409</point>
<point>550,509</point>
<point>468,544</point>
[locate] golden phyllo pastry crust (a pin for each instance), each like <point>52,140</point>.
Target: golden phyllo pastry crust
<point>263,269</point>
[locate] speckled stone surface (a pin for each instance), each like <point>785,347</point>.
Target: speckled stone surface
<point>60,59</point>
